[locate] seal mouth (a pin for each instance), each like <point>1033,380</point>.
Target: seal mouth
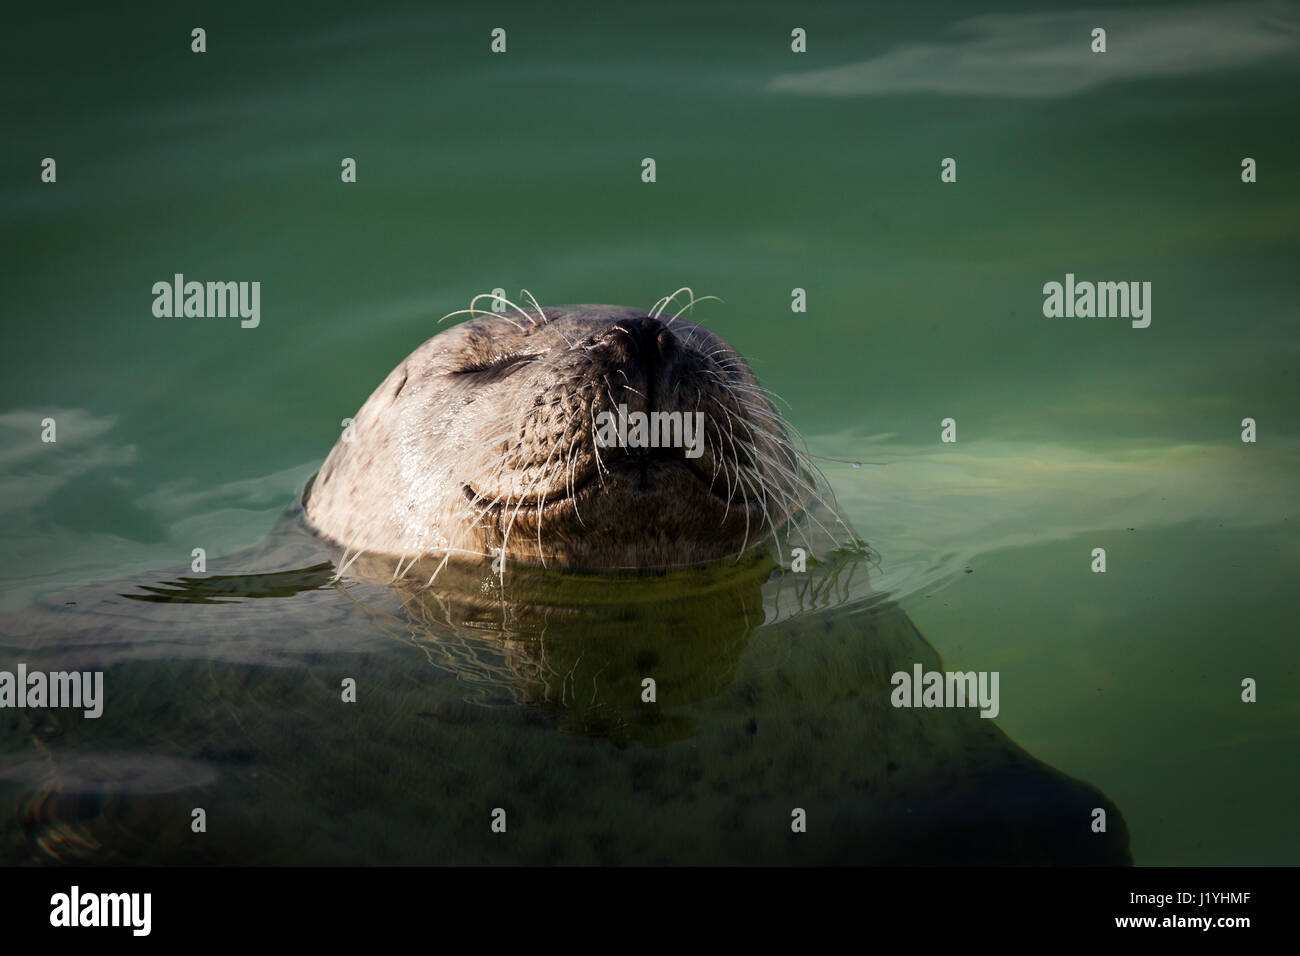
<point>633,473</point>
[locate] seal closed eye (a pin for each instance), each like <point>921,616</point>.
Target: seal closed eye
<point>487,440</point>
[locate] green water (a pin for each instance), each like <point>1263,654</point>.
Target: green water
<point>478,171</point>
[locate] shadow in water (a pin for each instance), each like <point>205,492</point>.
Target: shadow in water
<point>224,588</point>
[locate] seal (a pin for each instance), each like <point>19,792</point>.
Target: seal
<point>498,437</point>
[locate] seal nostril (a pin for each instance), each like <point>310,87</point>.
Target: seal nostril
<point>647,336</point>
<point>666,341</point>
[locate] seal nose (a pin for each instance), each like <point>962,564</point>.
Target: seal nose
<point>643,339</point>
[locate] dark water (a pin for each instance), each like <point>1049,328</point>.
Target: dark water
<point>478,171</point>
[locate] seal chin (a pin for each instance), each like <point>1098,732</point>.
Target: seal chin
<point>634,512</point>
<point>628,478</point>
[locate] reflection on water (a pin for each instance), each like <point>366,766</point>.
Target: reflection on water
<point>528,693</point>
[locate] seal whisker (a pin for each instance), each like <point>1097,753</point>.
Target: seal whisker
<point>812,491</point>
<point>504,301</point>
<point>657,309</point>
<point>691,305</point>
<point>533,299</point>
<point>730,436</point>
<point>627,386</point>
<point>472,311</point>
<point>344,568</point>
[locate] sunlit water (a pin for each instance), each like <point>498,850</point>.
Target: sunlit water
<point>924,302</point>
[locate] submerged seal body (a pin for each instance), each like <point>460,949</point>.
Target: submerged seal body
<point>487,440</point>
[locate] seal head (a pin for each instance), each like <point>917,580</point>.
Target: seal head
<point>585,436</point>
